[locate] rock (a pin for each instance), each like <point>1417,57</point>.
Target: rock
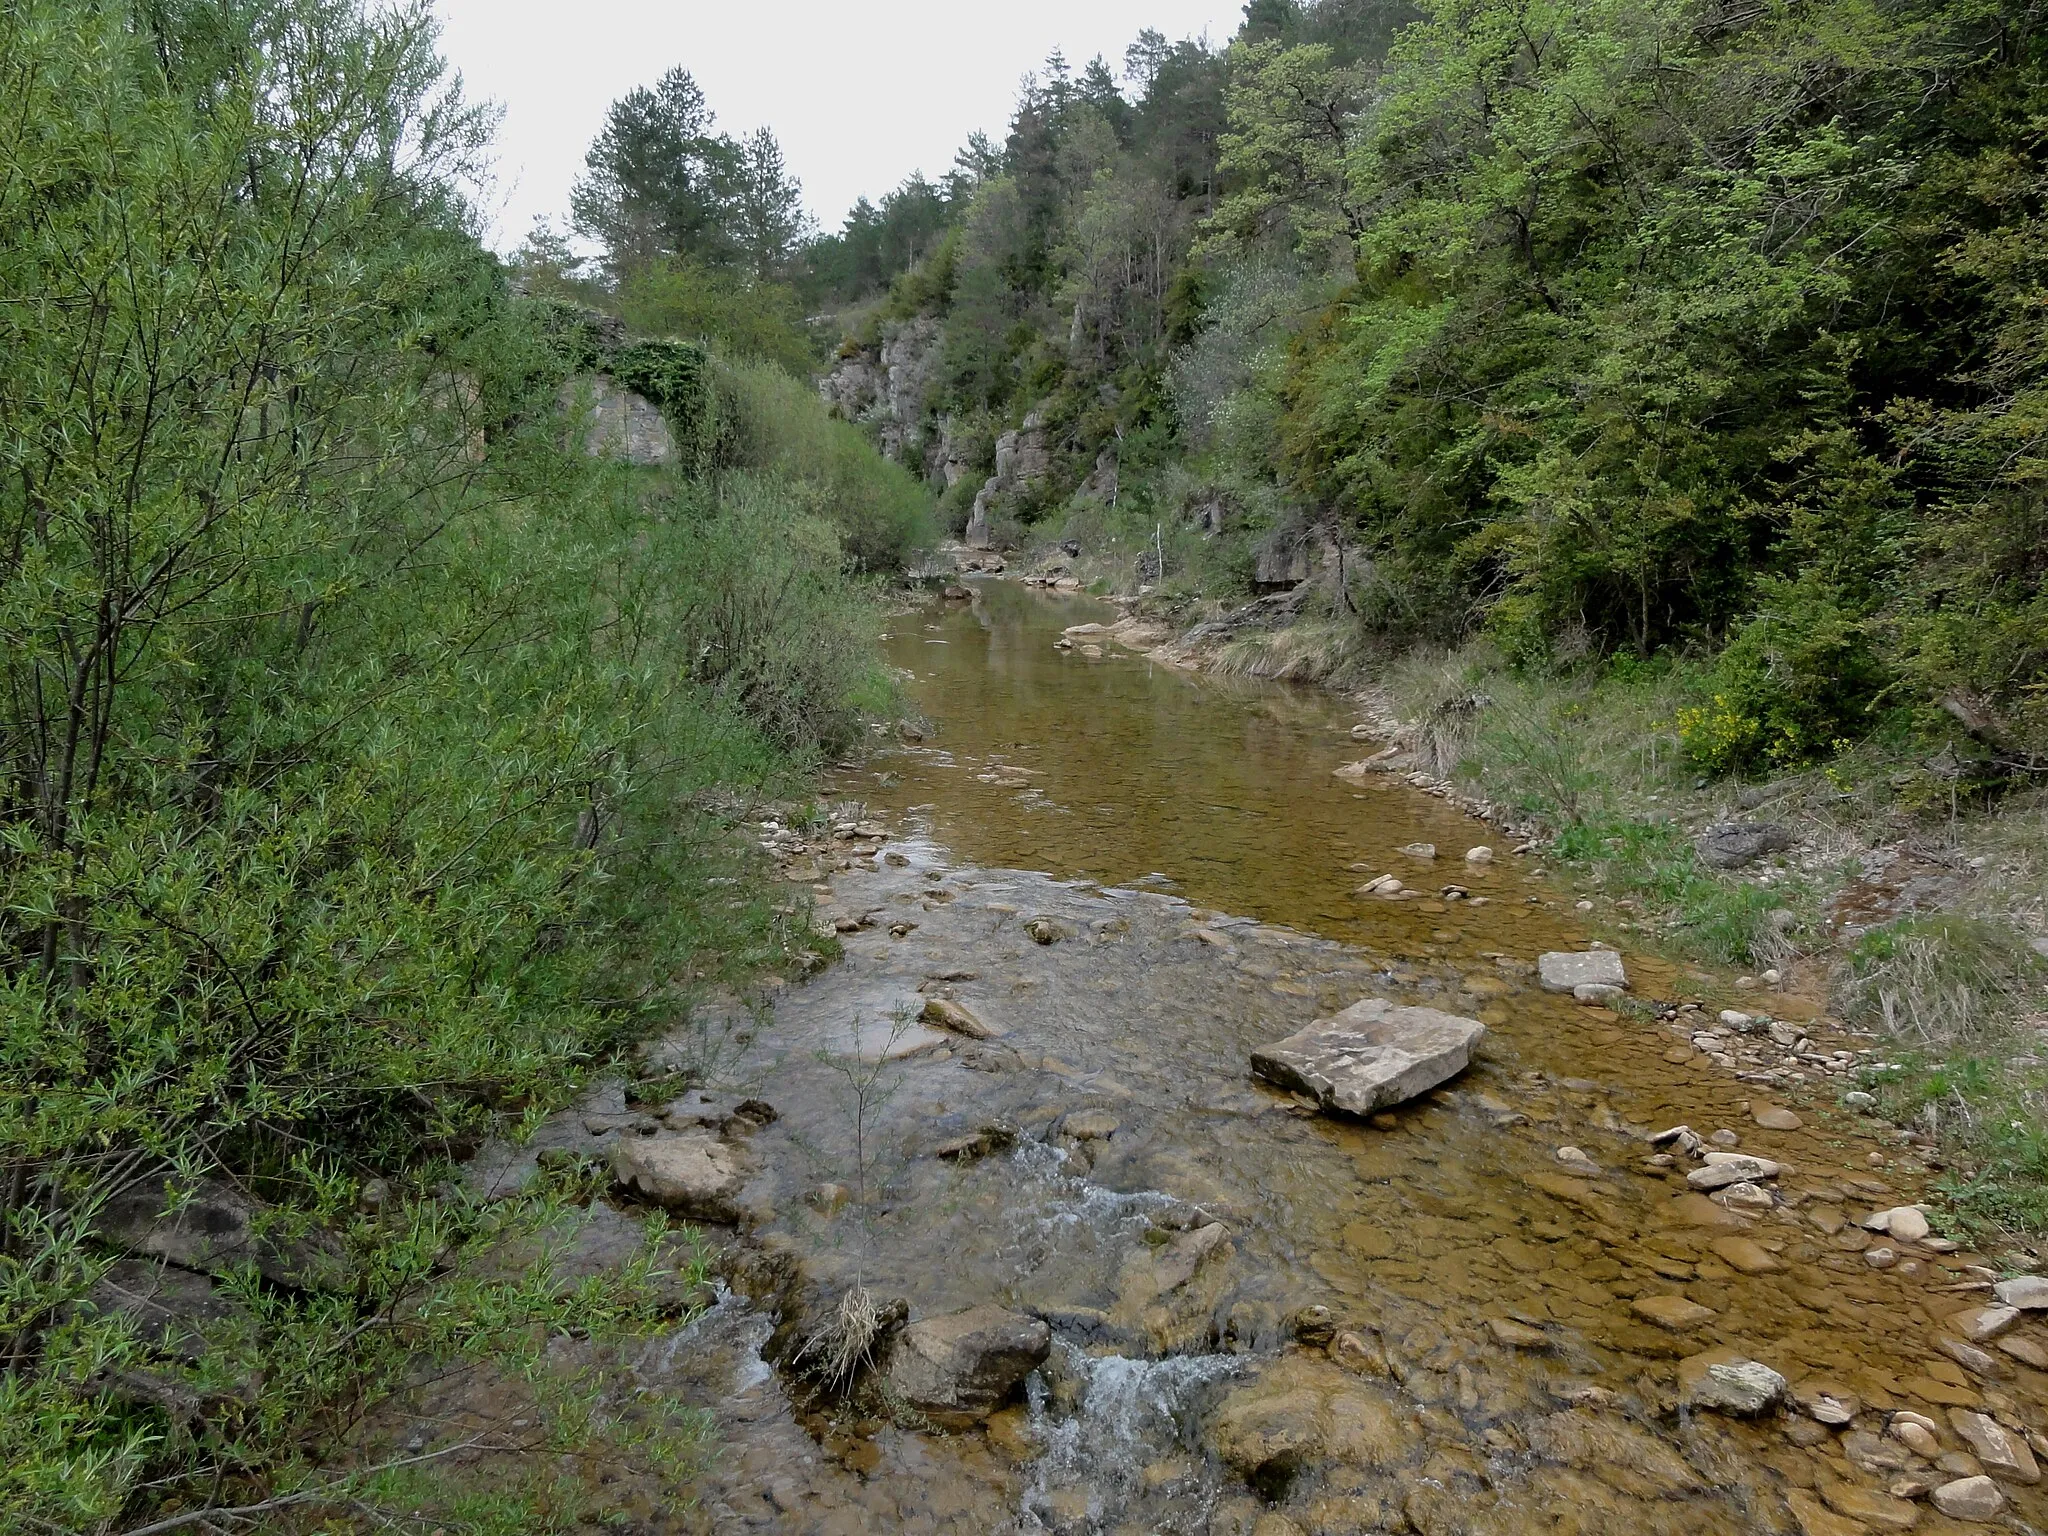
<point>1175,1265</point>
<point>1878,1510</point>
<point>1737,1020</point>
<point>1745,1197</point>
<point>1418,850</point>
<point>695,1175</point>
<point>1859,1100</point>
<point>2026,1351</point>
<point>1745,1255</point>
<point>1725,1138</point>
<point>1772,1118</point>
<point>2029,1293</point>
<point>966,1365</point>
<point>1814,1519</point>
<point>1090,1125</point>
<point>1745,1388</point>
<point>1980,1324</point>
<point>217,1229</point>
<point>1975,1499</point>
<point>1595,995</point>
<point>1575,1158</point>
<point>1044,930</point>
<point>2004,1454</point>
<point>1725,1168</point>
<point>1973,1359</point>
<point>1372,1055</point>
<point>1915,1434</point>
<point>1300,1411</point>
<point>1673,1312</point>
<point>1827,1402</point>
<point>1732,844</point>
<point>958,1019</point>
<point>1480,855</point>
<point>1565,970</point>
<point>617,423</point>
<point>1517,1335</point>
<point>171,1309</point>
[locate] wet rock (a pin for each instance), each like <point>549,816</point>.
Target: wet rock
<point>966,1365</point>
<point>1175,1265</point>
<point>1732,844</point>
<point>1827,1402</point>
<point>1815,1519</point>
<point>2029,1293</point>
<point>957,1018</point>
<point>1567,970</point>
<point>1299,1412</point>
<point>1745,1197</point>
<point>1975,1499</point>
<point>968,1146</point>
<point>1576,1160</point>
<point>1620,1454</point>
<point>216,1229</point>
<point>1517,1335</point>
<point>1725,1138</point>
<point>1046,930</point>
<point>2026,1351</point>
<point>1725,1168</point>
<point>1746,1256</point>
<point>1418,850</point>
<point>1744,1388</point>
<point>1904,1222</point>
<point>1673,1312</point>
<point>694,1174</point>
<point>1772,1118</point>
<point>1915,1434</point>
<point>1372,1055</point>
<point>1480,855</point>
<point>1594,995</point>
<point>1880,1511</point>
<point>1090,1125</point>
<point>1972,1359</point>
<point>2004,1454</point>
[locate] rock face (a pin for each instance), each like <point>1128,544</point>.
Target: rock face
<point>887,389</point>
<point>218,1229</point>
<point>1023,458</point>
<point>1568,970</point>
<point>619,424</point>
<point>1732,844</point>
<point>967,1364</point>
<point>694,1174</point>
<point>1371,1055</point>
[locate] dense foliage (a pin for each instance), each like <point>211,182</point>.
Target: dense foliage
<point>1682,327</point>
<point>362,740</point>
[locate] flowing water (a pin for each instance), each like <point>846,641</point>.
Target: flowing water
<point>1500,1345</point>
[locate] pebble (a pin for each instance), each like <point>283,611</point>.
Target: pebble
<point>1735,1018</point>
<point>1773,1118</point>
<point>1859,1100</point>
<point>1915,1434</point>
<point>1583,906</point>
<point>1975,1499</point>
<point>1725,1138</point>
<point>1574,1157</point>
<point>1880,1258</point>
<point>1745,1197</point>
<point>1879,1510</point>
<point>1480,855</point>
<point>1746,1255</point>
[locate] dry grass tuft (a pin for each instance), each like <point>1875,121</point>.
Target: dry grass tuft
<point>843,1346</point>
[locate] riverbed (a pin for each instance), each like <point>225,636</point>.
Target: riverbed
<point>1426,1322</point>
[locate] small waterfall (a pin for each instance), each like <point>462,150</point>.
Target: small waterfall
<point>1127,1416</point>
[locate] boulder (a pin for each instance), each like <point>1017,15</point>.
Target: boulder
<point>217,1228</point>
<point>1732,844</point>
<point>966,1365</point>
<point>1372,1055</point>
<point>1568,970</point>
<point>694,1174</point>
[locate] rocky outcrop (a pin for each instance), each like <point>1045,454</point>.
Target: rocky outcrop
<point>616,422</point>
<point>1371,1056</point>
<point>1023,458</point>
<point>966,1365</point>
<point>888,389</point>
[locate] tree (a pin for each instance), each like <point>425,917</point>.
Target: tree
<point>765,217</point>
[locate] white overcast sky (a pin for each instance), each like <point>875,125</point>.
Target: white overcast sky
<point>860,93</point>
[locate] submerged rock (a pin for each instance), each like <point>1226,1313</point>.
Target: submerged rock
<point>1568,970</point>
<point>1744,1388</point>
<point>1371,1056</point>
<point>967,1364</point>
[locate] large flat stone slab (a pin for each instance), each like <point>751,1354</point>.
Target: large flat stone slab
<point>1372,1055</point>
<point>1567,970</point>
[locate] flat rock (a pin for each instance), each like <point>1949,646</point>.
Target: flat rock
<point>957,1018</point>
<point>967,1364</point>
<point>1979,1324</point>
<point>693,1174</point>
<point>1775,1118</point>
<point>2004,1454</point>
<point>1568,970</point>
<point>1975,1499</point>
<point>1725,1168</point>
<point>1816,1519</point>
<point>1371,1056</point>
<point>2027,1292</point>
<point>1673,1312</point>
<point>1745,1255</point>
<point>1090,1125</point>
<point>1880,1511</point>
<point>1516,1335</point>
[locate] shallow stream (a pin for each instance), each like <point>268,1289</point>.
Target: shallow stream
<point>1506,1347</point>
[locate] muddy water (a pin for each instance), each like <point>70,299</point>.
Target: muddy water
<point>1500,1345</point>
